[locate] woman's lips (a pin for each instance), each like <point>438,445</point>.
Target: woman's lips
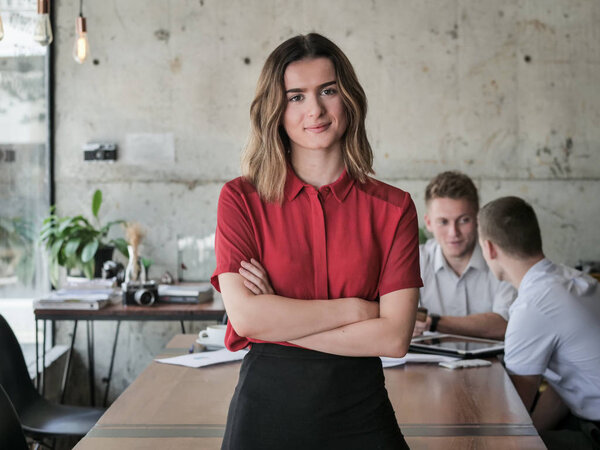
<point>318,128</point>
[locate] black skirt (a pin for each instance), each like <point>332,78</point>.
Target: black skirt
<point>294,398</point>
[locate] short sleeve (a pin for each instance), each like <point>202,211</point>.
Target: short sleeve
<point>401,269</point>
<point>503,298</point>
<point>529,342</point>
<point>235,239</point>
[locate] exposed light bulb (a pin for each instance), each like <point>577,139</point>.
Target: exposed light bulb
<point>42,32</point>
<point>81,49</point>
<point>1,29</point>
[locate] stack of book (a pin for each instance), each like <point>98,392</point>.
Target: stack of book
<point>185,293</point>
<point>81,294</point>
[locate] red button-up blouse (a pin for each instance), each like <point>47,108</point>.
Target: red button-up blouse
<point>346,239</point>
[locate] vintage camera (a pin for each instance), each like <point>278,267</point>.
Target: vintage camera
<point>143,293</point>
<point>113,269</point>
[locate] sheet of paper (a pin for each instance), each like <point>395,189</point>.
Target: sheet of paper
<point>204,359</point>
<point>415,358</point>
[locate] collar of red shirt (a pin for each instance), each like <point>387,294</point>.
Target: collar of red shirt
<point>340,187</point>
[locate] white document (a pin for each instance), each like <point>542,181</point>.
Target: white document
<point>415,358</point>
<point>203,359</point>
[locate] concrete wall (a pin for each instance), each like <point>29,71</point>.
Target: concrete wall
<point>505,91</point>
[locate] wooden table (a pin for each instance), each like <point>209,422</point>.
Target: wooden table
<point>174,407</point>
<point>211,310</point>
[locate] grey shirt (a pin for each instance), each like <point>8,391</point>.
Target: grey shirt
<point>476,291</point>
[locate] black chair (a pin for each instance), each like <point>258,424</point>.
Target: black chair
<point>39,418</point>
<point>11,434</point>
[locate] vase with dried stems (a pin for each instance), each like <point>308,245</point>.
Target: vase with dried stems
<point>135,270</point>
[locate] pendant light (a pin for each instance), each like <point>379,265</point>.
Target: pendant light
<point>42,32</point>
<point>81,48</point>
<point>1,27</point>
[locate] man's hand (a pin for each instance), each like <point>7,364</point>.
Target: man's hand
<point>255,277</point>
<point>421,327</point>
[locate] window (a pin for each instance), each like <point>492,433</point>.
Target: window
<point>24,167</point>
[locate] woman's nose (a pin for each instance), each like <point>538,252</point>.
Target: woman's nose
<point>315,107</point>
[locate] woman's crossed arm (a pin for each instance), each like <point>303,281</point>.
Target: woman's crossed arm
<point>349,326</point>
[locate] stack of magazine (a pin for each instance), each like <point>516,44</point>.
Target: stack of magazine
<point>81,293</point>
<point>185,293</point>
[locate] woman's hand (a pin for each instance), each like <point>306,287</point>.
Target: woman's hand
<point>255,277</point>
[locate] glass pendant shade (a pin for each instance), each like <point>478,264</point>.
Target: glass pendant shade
<point>1,29</point>
<point>81,48</point>
<point>42,32</point>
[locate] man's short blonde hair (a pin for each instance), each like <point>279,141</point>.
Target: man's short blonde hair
<point>454,185</point>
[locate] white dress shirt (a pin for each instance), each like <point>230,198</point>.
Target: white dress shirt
<point>476,291</point>
<point>554,331</point>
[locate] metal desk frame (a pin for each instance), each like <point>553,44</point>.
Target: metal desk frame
<point>213,310</point>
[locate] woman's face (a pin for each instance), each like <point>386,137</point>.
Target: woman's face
<point>314,118</point>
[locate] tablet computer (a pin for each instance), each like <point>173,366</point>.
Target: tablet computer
<point>455,345</point>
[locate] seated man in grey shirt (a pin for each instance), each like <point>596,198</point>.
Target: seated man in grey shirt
<point>461,294</point>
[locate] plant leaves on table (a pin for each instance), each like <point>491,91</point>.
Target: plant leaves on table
<point>88,252</point>
<point>71,247</point>
<point>56,248</point>
<point>96,202</point>
<point>89,268</point>
<point>121,245</point>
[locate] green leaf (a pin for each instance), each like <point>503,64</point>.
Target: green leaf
<point>89,268</point>
<point>88,252</point>
<point>121,245</point>
<point>105,228</point>
<point>54,273</point>
<point>56,248</point>
<point>72,247</point>
<point>96,202</point>
<point>65,224</point>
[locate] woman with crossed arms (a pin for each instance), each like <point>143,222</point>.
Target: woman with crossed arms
<point>317,263</point>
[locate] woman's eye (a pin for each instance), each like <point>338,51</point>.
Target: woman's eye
<point>295,98</point>
<point>328,91</point>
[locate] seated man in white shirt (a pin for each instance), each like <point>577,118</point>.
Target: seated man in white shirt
<point>554,327</point>
<point>460,293</point>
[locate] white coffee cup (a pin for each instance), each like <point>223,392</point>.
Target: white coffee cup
<point>214,334</point>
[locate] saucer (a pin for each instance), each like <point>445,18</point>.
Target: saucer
<point>210,344</point>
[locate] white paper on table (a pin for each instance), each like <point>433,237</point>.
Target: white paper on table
<point>203,359</point>
<point>415,358</point>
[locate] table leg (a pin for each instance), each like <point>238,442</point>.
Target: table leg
<point>37,357</point>
<point>65,379</point>
<point>112,362</point>
<point>44,361</point>
<point>182,327</point>
<point>90,342</point>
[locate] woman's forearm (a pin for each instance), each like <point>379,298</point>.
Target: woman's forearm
<point>375,337</point>
<point>276,318</point>
<point>388,335</point>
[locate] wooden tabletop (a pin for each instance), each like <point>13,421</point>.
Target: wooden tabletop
<point>211,310</point>
<point>181,408</point>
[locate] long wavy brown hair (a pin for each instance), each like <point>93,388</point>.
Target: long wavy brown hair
<point>264,161</point>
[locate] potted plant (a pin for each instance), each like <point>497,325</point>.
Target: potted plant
<point>75,243</point>
<point>16,249</point>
